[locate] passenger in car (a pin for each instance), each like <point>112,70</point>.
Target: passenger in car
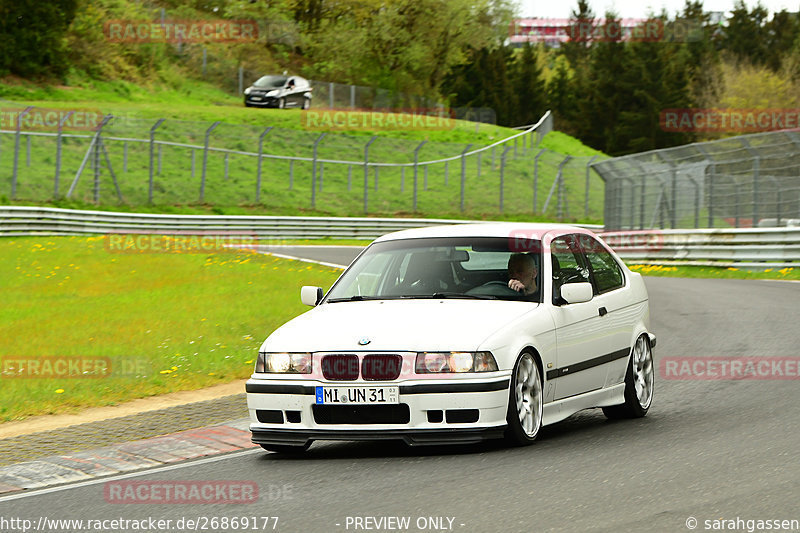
<point>522,273</point>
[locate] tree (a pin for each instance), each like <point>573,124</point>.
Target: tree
<point>32,42</point>
<point>782,31</point>
<point>581,32</point>
<point>746,34</point>
<point>528,86</point>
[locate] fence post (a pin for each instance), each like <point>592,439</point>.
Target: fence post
<point>16,150</point>
<point>97,147</point>
<point>464,173</point>
<point>713,171</point>
<point>366,173</point>
<point>152,144</point>
<point>124,157</point>
<point>314,170</point>
<point>330,95</point>
<point>227,156</point>
<point>416,167</point>
<point>586,195</point>
<point>291,174</point>
<point>260,154</point>
<point>58,152</point>
<point>536,178</point>
<point>241,80</point>
<point>376,178</point>
<point>205,159</point>
<point>352,97</point>
<point>205,60</point>
<point>756,172</point>
<point>502,173</point>
<point>560,179</point>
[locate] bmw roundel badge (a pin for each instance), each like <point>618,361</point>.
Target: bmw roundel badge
<point>363,341</point>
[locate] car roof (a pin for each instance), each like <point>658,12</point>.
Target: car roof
<point>484,229</point>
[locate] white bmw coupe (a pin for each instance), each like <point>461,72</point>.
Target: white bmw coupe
<point>456,334</point>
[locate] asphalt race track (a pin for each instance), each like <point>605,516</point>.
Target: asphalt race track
<point>708,450</point>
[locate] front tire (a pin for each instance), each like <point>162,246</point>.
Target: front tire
<point>639,383</point>
<point>525,402</point>
<point>281,103</point>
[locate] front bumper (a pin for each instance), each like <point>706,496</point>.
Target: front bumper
<point>433,411</point>
<point>266,101</point>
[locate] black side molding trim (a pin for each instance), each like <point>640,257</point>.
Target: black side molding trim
<point>586,365</point>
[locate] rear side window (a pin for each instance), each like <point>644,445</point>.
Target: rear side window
<point>606,272</point>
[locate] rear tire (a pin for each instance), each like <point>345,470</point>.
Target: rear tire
<point>288,449</point>
<point>525,402</point>
<point>639,383</point>
<point>306,103</point>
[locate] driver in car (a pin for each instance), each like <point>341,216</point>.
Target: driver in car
<point>522,274</point>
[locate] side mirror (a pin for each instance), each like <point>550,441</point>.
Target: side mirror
<point>574,293</point>
<point>311,295</point>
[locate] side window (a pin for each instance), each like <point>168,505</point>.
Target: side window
<point>568,264</point>
<point>605,270</point>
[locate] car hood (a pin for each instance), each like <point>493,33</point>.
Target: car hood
<point>397,325</point>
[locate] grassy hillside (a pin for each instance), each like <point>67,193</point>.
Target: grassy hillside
<point>286,186</point>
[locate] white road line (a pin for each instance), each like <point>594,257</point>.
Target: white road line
<point>155,470</point>
<point>323,263</point>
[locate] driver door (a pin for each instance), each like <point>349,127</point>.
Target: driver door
<point>578,325</point>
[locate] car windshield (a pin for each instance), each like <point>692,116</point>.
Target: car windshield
<point>270,81</point>
<point>457,267</point>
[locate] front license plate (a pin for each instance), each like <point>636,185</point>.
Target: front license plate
<point>357,395</point>
<point>257,98</point>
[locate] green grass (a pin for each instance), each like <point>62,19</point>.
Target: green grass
<point>183,320</point>
<point>716,272</point>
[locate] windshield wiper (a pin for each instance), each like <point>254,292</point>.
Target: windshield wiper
<point>356,298</point>
<point>462,296</point>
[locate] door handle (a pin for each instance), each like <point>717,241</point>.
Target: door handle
<point>603,311</point>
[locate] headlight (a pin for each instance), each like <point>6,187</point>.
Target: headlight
<point>272,93</point>
<point>455,362</point>
<point>247,91</point>
<point>283,363</point>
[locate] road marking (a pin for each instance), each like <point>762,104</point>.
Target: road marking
<point>158,469</point>
<point>295,258</point>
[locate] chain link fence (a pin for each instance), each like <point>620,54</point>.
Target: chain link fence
<point>166,162</point>
<point>741,182</point>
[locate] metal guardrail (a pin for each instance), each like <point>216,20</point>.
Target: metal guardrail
<point>764,247</point>
<point>33,221</point>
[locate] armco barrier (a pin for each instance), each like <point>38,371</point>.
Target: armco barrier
<point>764,247</point>
<point>31,221</point>
<point>756,247</point>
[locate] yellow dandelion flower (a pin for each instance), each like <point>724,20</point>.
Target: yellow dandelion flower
<point>59,391</point>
